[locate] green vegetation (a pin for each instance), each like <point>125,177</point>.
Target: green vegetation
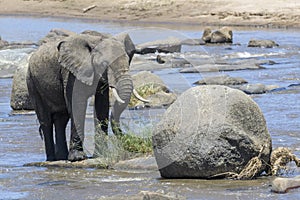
<point>136,144</point>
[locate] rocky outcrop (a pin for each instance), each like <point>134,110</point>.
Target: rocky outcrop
<point>19,95</point>
<point>223,35</point>
<point>262,43</point>
<point>210,130</point>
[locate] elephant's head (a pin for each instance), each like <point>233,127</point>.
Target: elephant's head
<point>92,59</point>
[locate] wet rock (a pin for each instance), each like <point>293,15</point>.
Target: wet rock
<point>210,130</point>
<point>191,42</point>
<point>169,45</point>
<point>221,80</point>
<point>148,195</point>
<point>220,67</point>
<point>151,87</point>
<point>20,99</point>
<point>89,163</point>
<point>283,185</point>
<point>140,163</point>
<point>206,37</point>
<point>227,65</point>
<point>257,88</point>
<point>3,43</point>
<point>223,35</point>
<point>262,43</point>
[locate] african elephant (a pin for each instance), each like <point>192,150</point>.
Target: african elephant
<point>62,75</point>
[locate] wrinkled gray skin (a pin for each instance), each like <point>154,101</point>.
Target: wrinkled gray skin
<point>61,77</point>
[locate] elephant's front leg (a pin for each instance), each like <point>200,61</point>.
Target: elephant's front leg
<point>76,152</point>
<point>77,103</point>
<point>101,113</point>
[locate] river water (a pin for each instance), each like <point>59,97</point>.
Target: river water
<point>21,143</point>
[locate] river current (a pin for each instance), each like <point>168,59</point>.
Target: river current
<point>20,142</point>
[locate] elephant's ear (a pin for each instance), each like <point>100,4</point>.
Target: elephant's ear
<point>75,56</point>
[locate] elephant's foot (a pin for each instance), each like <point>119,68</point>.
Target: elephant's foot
<point>51,158</point>
<point>75,155</point>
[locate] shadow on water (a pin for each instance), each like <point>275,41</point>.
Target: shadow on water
<point>21,143</point>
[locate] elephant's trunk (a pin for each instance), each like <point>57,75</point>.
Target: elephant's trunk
<point>124,88</point>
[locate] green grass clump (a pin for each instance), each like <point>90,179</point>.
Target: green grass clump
<point>136,144</point>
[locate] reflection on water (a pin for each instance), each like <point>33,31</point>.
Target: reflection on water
<point>21,143</point>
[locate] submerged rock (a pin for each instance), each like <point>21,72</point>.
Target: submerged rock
<point>210,130</point>
<point>262,43</point>
<point>221,80</point>
<point>257,88</point>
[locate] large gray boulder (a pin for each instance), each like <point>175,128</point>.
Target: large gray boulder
<point>210,130</point>
<point>19,95</point>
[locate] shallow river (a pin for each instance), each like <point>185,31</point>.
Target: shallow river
<point>21,143</point>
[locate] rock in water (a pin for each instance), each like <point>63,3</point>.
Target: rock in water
<point>283,185</point>
<point>210,130</point>
<point>19,95</point>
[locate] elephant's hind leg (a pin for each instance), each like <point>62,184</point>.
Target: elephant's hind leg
<point>60,123</point>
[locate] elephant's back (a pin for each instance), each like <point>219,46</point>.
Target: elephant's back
<point>44,72</point>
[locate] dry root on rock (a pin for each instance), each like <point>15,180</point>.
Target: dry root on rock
<point>250,171</point>
<point>280,157</point>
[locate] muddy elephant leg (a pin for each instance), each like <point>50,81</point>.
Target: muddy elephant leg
<point>101,112</point>
<point>60,123</point>
<point>44,117</point>
<point>49,142</point>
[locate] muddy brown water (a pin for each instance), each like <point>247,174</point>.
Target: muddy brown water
<point>20,142</point>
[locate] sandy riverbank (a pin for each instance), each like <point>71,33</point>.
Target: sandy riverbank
<point>266,13</point>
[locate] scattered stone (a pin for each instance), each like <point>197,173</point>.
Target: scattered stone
<point>20,99</point>
<point>220,67</point>
<point>221,80</point>
<point>169,45</point>
<point>257,88</point>
<point>223,35</point>
<point>283,185</point>
<point>262,43</point>
<point>210,130</point>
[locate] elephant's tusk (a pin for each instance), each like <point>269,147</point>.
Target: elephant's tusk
<point>116,95</point>
<point>136,94</point>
